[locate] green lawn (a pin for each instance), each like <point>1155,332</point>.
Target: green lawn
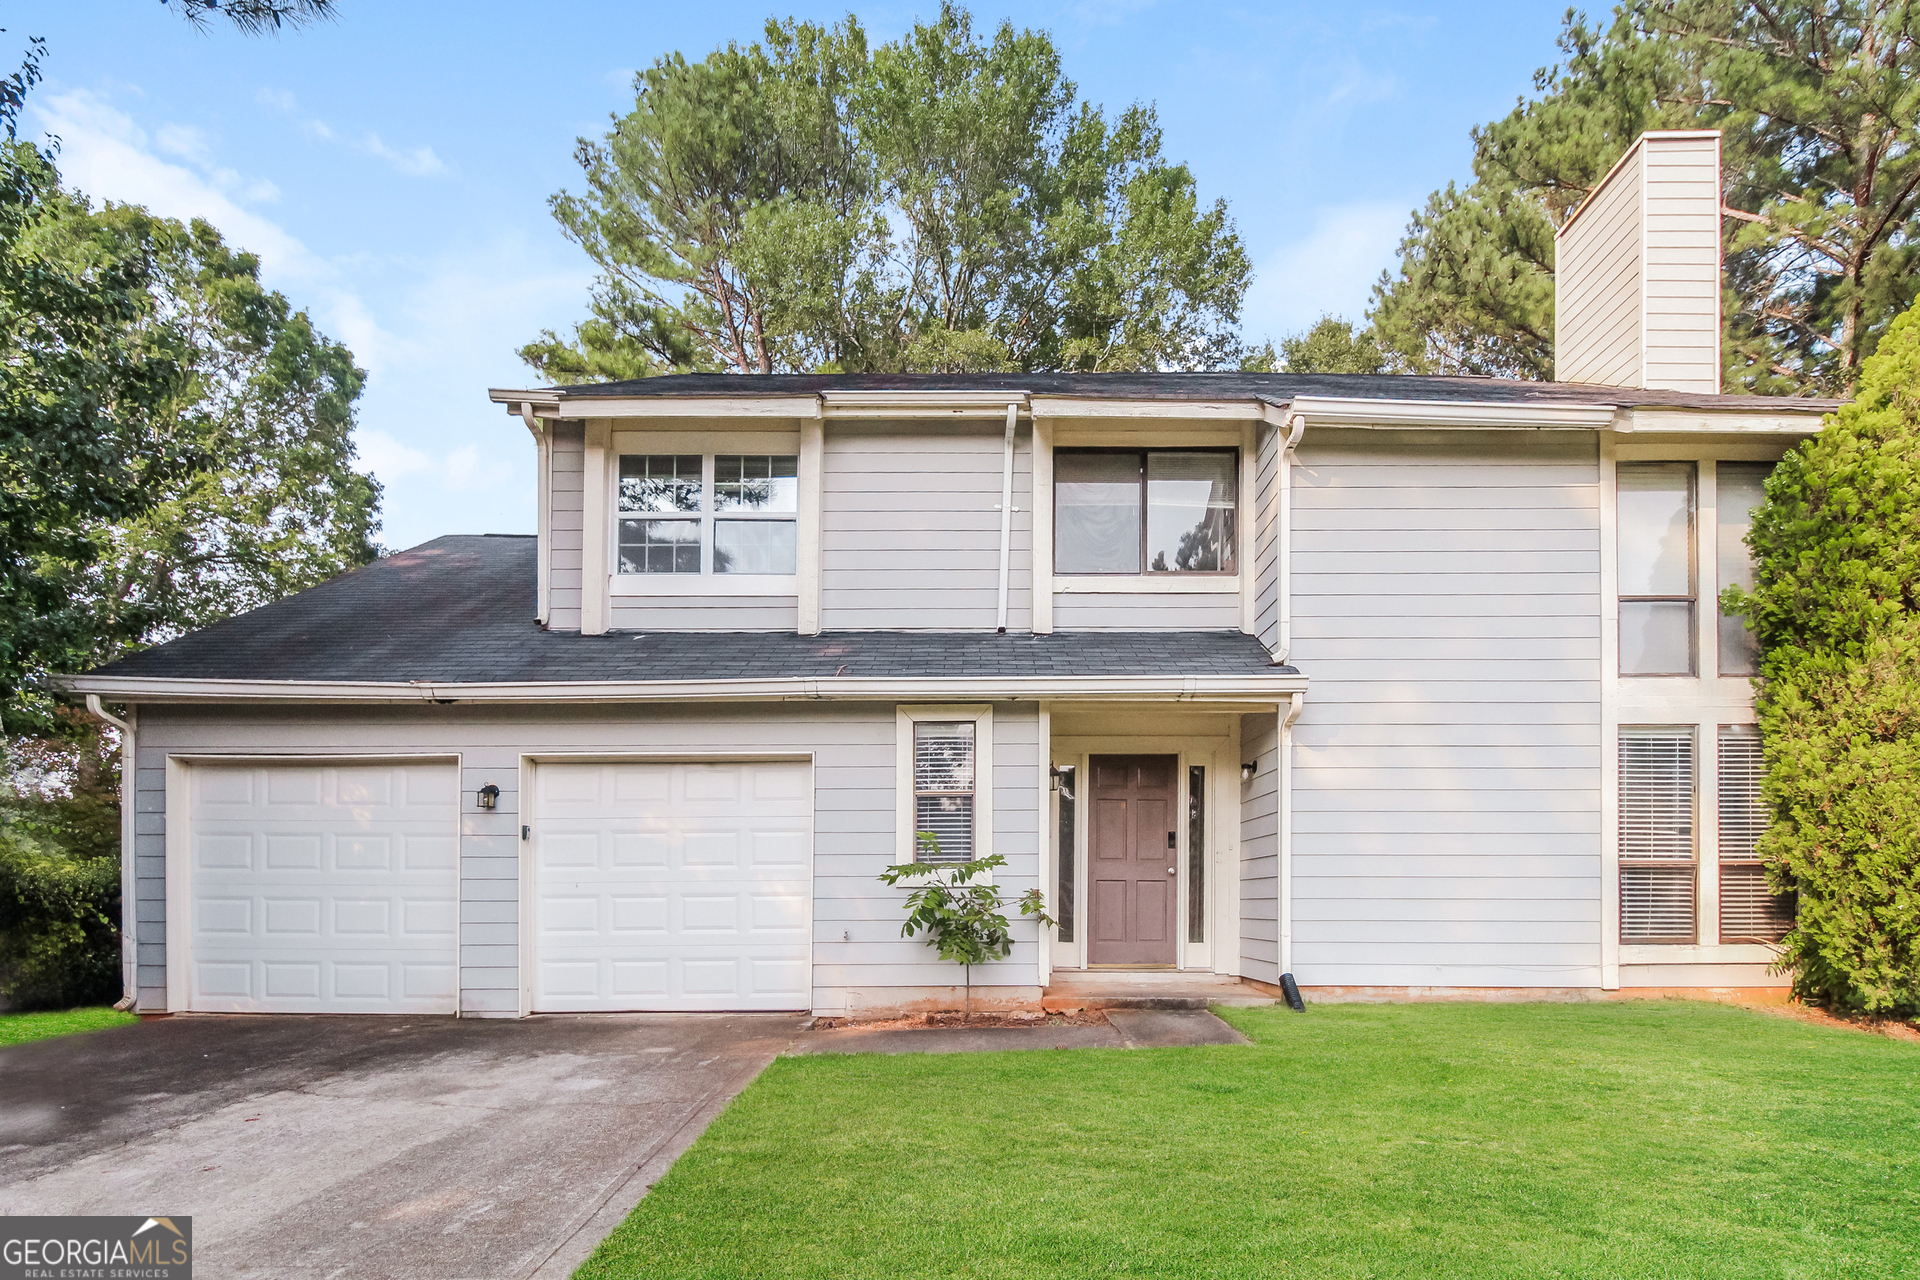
<point>18,1028</point>
<point>1635,1139</point>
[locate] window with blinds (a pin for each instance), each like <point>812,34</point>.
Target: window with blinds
<point>1749,910</point>
<point>943,790</point>
<point>1657,871</point>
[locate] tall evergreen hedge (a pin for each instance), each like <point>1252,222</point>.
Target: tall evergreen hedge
<point>1836,605</point>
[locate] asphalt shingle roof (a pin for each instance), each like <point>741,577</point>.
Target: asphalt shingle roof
<point>461,610</point>
<point>1277,387</point>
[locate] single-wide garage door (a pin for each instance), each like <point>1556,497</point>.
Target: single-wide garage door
<point>672,886</point>
<point>323,888</point>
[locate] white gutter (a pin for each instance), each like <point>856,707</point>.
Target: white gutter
<point>1258,688</point>
<point>1466,414</point>
<point>1290,711</point>
<point>1296,427</point>
<point>1006,517</point>
<point>129,953</point>
<point>543,511</point>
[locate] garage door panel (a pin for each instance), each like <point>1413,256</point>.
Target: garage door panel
<point>346,899</point>
<point>699,877</point>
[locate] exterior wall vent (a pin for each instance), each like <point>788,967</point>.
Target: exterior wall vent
<point>1637,271</point>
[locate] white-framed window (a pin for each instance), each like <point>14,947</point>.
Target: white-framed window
<point>704,515</point>
<point>1658,865</point>
<point>1741,487</point>
<point>1749,910</point>
<point>1145,511</point>
<point>945,773</point>
<point>1656,559</point>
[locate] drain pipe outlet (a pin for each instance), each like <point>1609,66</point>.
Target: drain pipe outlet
<point>1291,990</point>
<point>1006,518</point>
<point>128,976</point>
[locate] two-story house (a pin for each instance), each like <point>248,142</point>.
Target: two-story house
<point>1398,684</point>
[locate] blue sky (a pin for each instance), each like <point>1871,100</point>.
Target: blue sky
<point>392,168</point>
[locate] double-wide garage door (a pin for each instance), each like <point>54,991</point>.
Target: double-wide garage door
<point>672,886</point>
<point>320,888</point>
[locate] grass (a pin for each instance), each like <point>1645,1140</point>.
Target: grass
<point>18,1028</point>
<point>1633,1139</point>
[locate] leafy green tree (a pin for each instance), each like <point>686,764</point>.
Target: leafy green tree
<point>961,917</point>
<point>942,202</point>
<point>266,405</point>
<point>1836,609</point>
<point>1332,345</point>
<point>1818,108</point>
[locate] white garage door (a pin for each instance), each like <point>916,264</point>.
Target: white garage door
<point>323,888</point>
<point>672,886</point>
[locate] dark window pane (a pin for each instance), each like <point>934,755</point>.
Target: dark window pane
<point>753,546</point>
<point>659,546</point>
<point>1063,901</point>
<point>1190,516</point>
<point>756,482</point>
<point>1196,853</point>
<point>659,482</point>
<point>1096,513</point>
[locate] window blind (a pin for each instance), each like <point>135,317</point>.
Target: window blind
<point>1656,903</point>
<point>943,788</point>
<point>1741,817</point>
<point>1749,910</point>
<point>1656,793</point>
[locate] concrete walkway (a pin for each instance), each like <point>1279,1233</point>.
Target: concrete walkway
<point>424,1148</point>
<point>1125,1029</point>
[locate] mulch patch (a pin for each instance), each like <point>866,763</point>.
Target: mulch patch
<point>954,1018</point>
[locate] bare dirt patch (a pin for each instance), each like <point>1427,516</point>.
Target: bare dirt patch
<point>919,1021</point>
<point>1892,1028</point>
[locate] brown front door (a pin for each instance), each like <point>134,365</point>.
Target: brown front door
<point>1131,853</point>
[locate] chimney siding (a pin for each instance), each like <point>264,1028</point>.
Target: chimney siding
<point>1637,298</point>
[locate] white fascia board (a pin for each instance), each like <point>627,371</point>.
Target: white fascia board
<point>1081,688</point>
<point>1341,411</point>
<point>539,398</point>
<point>1091,407</point>
<point>919,404</point>
<point>1806,422</point>
<point>691,407</point>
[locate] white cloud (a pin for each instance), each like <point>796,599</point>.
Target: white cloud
<point>1330,271</point>
<point>387,459</point>
<point>468,472</point>
<point>419,162</point>
<point>316,129</point>
<point>105,154</point>
<point>283,99</point>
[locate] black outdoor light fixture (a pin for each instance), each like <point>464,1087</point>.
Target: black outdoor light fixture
<point>487,796</point>
<point>1248,769</point>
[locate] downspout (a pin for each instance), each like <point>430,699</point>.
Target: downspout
<point>129,954</point>
<point>1006,518</point>
<point>1296,426</point>
<point>1289,712</point>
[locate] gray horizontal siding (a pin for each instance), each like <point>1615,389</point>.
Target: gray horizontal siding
<point>705,613</point>
<point>910,535</point>
<point>853,749</point>
<point>1446,766</point>
<point>1105,611</point>
<point>1260,850</point>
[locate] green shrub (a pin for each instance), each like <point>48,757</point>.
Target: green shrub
<point>59,931</point>
<point>1836,605</point>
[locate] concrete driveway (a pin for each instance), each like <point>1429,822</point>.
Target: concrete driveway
<point>371,1147</point>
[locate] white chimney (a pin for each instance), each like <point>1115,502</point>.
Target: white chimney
<point>1637,271</point>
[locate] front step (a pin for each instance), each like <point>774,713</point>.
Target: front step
<point>1057,1000</point>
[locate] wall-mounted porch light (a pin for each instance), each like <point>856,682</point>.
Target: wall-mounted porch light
<point>1248,769</point>
<point>1062,780</point>
<point>487,796</point>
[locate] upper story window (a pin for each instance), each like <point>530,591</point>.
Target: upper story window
<point>1656,568</point>
<point>708,513</point>
<point>1739,488</point>
<point>1133,511</point>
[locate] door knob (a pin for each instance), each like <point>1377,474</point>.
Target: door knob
<point>1172,872</point>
